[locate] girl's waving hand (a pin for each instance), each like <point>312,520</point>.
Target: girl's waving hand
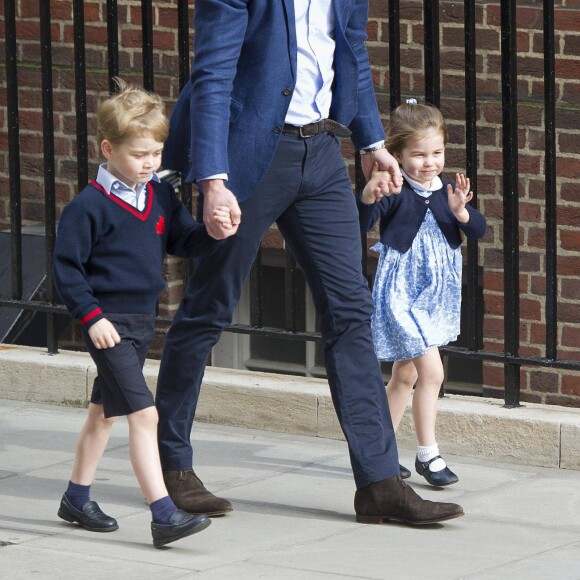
<point>459,197</point>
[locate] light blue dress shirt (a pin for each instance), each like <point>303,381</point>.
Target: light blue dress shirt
<point>315,72</point>
<point>114,186</point>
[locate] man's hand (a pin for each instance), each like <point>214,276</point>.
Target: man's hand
<point>386,162</point>
<point>217,195</point>
<point>104,334</point>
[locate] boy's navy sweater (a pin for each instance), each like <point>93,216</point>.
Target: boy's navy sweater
<point>402,214</point>
<point>108,255</point>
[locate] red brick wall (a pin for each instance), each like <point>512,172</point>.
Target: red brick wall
<point>538,385</point>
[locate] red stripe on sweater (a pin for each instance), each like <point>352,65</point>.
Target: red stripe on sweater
<point>90,316</point>
<point>141,215</point>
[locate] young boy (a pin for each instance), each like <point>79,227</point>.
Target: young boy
<point>108,258</point>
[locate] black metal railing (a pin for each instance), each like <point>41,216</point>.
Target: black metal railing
<point>511,358</point>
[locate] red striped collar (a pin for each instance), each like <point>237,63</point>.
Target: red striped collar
<point>142,215</point>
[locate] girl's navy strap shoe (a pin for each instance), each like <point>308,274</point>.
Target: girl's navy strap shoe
<point>405,473</point>
<point>436,478</point>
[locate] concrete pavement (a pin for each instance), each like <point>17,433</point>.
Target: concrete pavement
<point>290,483</point>
<point>293,515</point>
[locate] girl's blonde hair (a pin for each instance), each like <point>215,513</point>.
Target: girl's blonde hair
<point>409,121</point>
<point>132,112</point>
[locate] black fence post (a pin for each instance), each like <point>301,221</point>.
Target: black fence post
<point>80,94</point>
<point>394,54</point>
<point>290,293</point>
<point>474,306</point>
<point>49,166</point>
<point>112,42</point>
<point>432,60</point>
<point>550,182</point>
<point>147,44</point>
<point>510,200</point>
<point>13,123</point>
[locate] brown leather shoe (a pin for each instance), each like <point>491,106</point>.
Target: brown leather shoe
<point>189,494</point>
<point>392,499</point>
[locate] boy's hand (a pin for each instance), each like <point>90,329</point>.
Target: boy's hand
<point>222,215</point>
<point>104,334</point>
<point>379,185</point>
<point>459,197</point>
<point>216,194</point>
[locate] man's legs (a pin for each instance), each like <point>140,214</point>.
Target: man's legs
<point>206,309</point>
<point>321,228</point>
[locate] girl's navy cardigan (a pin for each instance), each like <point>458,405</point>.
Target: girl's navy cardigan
<point>108,255</point>
<point>402,215</point>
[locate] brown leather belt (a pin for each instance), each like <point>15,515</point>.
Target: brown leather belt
<point>312,129</point>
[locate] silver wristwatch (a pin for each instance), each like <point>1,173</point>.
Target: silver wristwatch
<point>372,149</point>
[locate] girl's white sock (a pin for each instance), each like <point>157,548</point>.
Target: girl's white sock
<point>425,453</point>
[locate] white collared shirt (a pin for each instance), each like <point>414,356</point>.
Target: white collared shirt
<point>435,185</point>
<point>312,95</point>
<point>114,186</point>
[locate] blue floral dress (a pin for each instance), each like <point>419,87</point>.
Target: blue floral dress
<point>417,295</point>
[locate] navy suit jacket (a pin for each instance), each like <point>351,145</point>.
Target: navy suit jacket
<point>229,116</point>
<point>402,215</point>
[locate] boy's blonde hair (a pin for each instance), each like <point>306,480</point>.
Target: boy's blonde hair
<point>132,112</point>
<point>409,121</point>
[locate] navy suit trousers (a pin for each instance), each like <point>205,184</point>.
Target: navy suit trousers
<point>308,193</point>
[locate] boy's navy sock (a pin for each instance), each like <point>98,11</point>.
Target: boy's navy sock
<point>162,510</point>
<point>78,495</point>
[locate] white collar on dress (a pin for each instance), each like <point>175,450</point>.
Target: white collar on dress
<point>435,185</point>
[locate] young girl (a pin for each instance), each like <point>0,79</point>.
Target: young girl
<point>417,290</point>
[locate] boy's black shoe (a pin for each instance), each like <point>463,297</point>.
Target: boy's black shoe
<point>182,525</point>
<point>91,518</point>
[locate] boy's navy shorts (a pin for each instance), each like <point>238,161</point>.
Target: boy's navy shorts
<point>120,385</point>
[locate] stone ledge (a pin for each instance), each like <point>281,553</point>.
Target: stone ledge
<point>541,435</point>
